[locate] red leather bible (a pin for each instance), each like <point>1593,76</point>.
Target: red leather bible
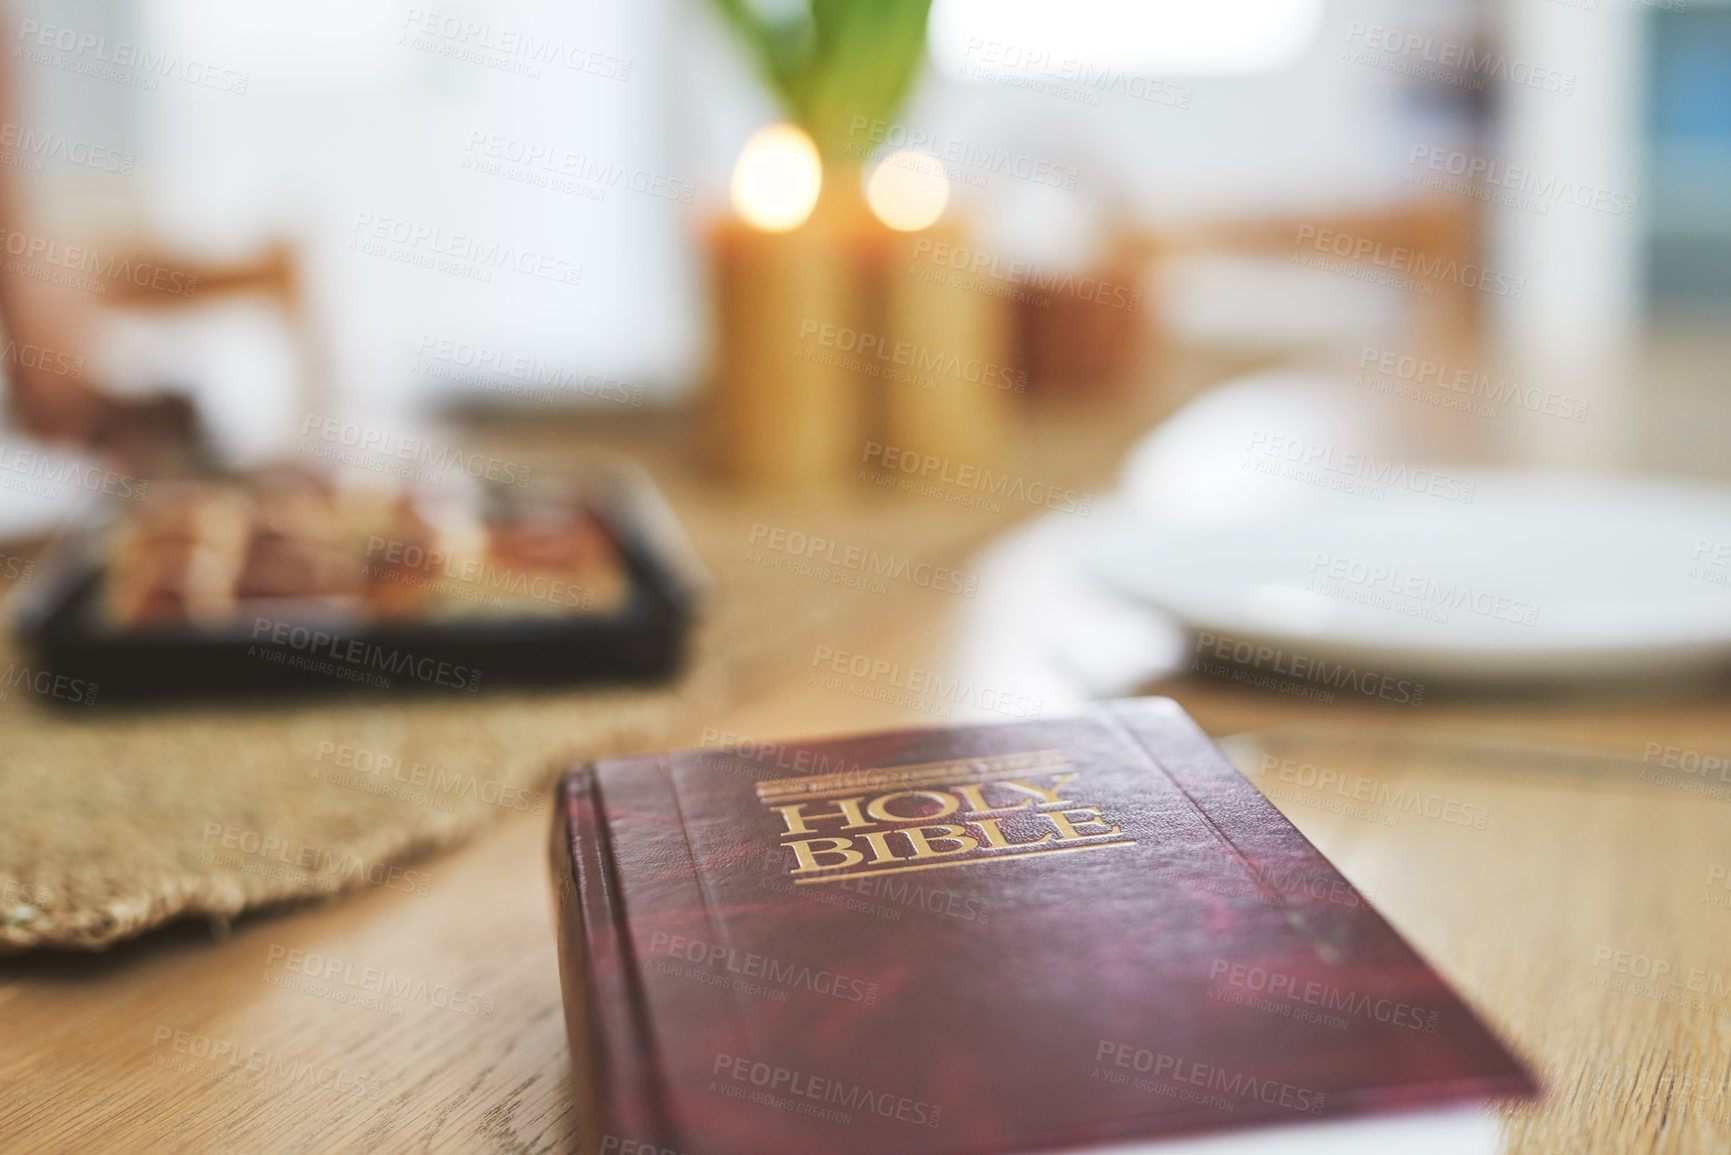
<point>998,938</point>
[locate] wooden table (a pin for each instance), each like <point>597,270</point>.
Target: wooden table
<point>1580,877</point>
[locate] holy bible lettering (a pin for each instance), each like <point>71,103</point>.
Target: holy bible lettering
<point>940,814</point>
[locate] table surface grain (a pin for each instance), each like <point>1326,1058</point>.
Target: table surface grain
<point>1577,868</point>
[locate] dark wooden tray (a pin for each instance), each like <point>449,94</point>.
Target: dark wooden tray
<point>291,648</point>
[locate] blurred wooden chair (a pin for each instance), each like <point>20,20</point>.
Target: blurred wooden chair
<point>275,274</point>
<point>1444,234</point>
<point>1084,347</point>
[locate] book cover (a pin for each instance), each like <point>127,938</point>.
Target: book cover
<point>997,938</point>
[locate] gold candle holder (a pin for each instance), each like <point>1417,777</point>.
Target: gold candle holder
<point>832,331</point>
<point>780,413</point>
<point>949,393</point>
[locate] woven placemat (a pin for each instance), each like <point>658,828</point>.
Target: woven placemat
<point>114,822</point>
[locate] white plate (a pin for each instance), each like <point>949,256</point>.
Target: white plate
<point>1538,576</point>
<point>44,488</point>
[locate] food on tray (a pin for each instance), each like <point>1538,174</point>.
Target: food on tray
<point>202,553</point>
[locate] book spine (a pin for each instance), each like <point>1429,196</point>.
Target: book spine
<point>611,1073</point>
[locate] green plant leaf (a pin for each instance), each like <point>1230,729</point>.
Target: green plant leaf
<point>837,62</point>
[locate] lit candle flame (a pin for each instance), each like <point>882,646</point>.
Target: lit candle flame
<point>908,190</point>
<point>777,178</point>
